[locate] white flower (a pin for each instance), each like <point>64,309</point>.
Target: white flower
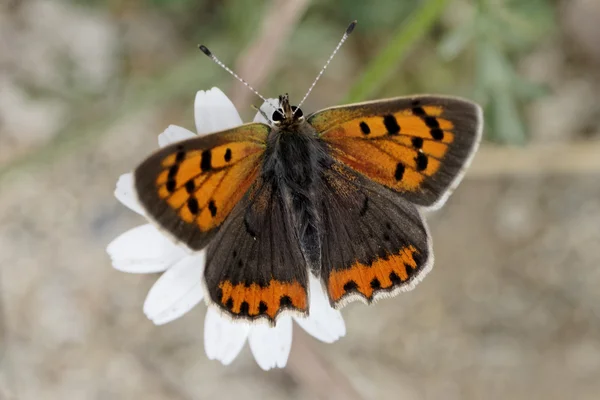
<point>146,250</point>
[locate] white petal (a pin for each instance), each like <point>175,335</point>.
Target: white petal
<point>268,109</point>
<point>181,306</point>
<point>174,285</point>
<point>144,250</point>
<point>174,134</point>
<point>126,194</point>
<point>214,112</point>
<point>324,322</point>
<point>223,339</point>
<point>271,346</point>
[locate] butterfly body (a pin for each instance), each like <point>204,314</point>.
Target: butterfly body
<point>337,194</point>
<point>294,161</point>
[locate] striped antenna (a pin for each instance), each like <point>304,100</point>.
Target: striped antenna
<point>342,40</point>
<point>210,55</point>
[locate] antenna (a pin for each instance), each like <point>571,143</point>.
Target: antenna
<point>342,40</point>
<point>206,51</point>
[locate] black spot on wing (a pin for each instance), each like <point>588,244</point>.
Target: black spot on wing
<point>399,171</point>
<point>192,205</point>
<point>434,127</point>
<point>171,185</point>
<point>391,124</point>
<point>419,111</point>
<point>180,156</point>
<point>410,271</point>
<point>365,128</point>
<point>262,307</point>
<point>212,208</point>
<point>421,160</point>
<point>395,279</point>
<point>417,142</point>
<point>173,171</point>
<point>285,301</point>
<point>437,133</point>
<point>190,186</point>
<point>350,285</point>
<point>206,161</point>
<point>431,122</point>
<point>375,284</point>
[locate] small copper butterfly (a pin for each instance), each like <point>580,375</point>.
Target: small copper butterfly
<point>338,193</point>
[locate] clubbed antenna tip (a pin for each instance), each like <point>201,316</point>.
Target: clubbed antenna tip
<point>205,50</point>
<point>351,27</point>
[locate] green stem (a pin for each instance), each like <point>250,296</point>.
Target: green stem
<point>382,67</point>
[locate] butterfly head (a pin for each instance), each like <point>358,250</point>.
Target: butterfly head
<point>286,114</point>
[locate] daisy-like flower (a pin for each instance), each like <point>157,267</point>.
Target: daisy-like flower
<point>145,249</point>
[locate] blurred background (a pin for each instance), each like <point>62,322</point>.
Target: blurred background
<point>512,307</point>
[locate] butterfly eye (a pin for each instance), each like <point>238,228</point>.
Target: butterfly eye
<point>277,116</point>
<point>297,112</point>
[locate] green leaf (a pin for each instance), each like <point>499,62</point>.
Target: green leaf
<point>507,123</point>
<point>456,41</point>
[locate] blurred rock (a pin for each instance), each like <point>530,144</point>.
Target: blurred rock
<point>149,42</point>
<point>51,52</point>
<point>580,21</point>
<point>572,102</point>
<point>58,46</point>
<point>26,122</point>
<point>518,215</point>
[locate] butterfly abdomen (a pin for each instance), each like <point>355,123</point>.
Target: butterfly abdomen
<point>294,163</point>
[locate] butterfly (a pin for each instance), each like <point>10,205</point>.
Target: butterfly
<point>338,194</point>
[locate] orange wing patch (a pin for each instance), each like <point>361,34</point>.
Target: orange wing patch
<point>203,186</point>
<point>254,300</point>
<point>383,274</point>
<point>190,187</point>
<point>400,123</point>
<point>399,150</point>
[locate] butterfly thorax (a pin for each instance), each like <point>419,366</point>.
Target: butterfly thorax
<point>294,154</point>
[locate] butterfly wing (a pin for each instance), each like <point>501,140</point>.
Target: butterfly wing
<point>417,146</point>
<point>374,243</point>
<point>255,268</point>
<point>189,188</point>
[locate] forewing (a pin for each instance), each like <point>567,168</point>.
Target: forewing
<point>417,146</point>
<point>255,268</point>
<point>189,188</point>
<point>374,243</point>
